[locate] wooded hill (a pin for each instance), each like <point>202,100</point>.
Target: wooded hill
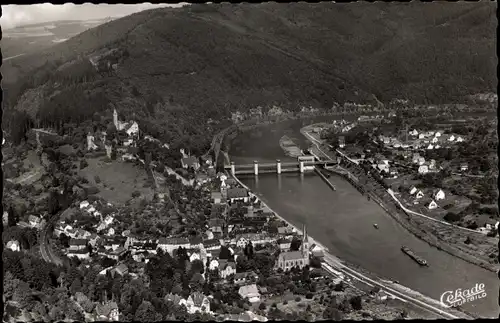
<point>176,68</point>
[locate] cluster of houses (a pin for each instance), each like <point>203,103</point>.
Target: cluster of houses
<point>238,218</point>
<point>418,196</point>
<point>422,140</point>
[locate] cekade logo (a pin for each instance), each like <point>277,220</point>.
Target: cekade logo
<point>459,297</point>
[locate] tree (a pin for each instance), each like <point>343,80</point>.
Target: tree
<point>331,313</point>
<point>13,217</point>
<point>76,286</point>
<point>145,312</point>
<point>64,239</point>
<point>356,303</point>
<point>315,262</point>
<point>340,287</point>
<point>262,306</point>
<point>295,244</point>
<point>197,266</point>
<point>224,253</point>
<point>10,285</point>
<point>56,314</point>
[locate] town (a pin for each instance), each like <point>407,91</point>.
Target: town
<point>226,254</point>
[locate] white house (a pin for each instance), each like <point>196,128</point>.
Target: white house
<point>419,195</point>
<point>13,245</point>
<point>34,221</point>
<point>237,194</point>
<point>423,169</point>
<point>226,269</point>
<point>439,195</point>
<point>194,256</point>
<point>437,134</point>
<point>413,190</point>
<point>432,205</point>
<point>383,168</point>
<point>434,140</point>
<point>214,264</point>
<point>452,138</point>
<point>197,302</point>
<point>250,292</point>
<point>414,132</point>
<point>90,142</point>
<point>216,197</point>
<point>80,254</point>
<point>84,204</point>
<point>421,136</point>
<point>108,311</point>
<point>430,147</point>
<point>460,139</point>
<point>133,129</point>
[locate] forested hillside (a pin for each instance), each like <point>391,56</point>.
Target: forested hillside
<point>177,68</point>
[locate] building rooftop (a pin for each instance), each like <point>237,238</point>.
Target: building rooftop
<point>174,240</point>
<point>291,255</point>
<point>237,192</point>
<point>78,242</point>
<point>248,290</point>
<point>189,161</point>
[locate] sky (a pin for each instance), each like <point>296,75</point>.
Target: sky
<point>18,15</point>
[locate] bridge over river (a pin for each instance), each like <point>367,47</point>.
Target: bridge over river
<point>304,163</point>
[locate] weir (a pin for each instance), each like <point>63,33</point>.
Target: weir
<point>323,177</point>
<point>303,164</point>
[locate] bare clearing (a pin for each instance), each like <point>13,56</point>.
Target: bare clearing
<point>117,179</point>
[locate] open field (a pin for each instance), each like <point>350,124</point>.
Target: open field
<point>117,180</point>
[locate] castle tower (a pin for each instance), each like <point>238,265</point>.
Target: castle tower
<point>115,119</point>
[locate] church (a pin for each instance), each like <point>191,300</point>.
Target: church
<point>131,128</point>
<point>300,258</point>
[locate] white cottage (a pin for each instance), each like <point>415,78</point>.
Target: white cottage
<point>439,195</point>
<point>432,205</point>
<point>423,169</point>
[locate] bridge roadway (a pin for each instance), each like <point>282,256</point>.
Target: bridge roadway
<point>283,165</point>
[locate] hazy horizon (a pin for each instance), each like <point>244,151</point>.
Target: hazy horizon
<point>20,15</point>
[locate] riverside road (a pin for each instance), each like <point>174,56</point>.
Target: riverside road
<point>343,222</point>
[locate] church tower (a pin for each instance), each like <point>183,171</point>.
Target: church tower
<point>115,119</point>
<point>305,240</point>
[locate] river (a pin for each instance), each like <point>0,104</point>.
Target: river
<point>343,222</point>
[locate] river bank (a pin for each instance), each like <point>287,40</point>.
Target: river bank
<point>417,301</point>
<point>414,225</point>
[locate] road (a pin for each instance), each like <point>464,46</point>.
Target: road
<point>337,264</point>
<point>407,296</point>
<point>217,142</point>
<point>11,57</point>
<point>317,142</point>
<point>45,249</point>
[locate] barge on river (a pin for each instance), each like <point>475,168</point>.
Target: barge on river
<point>412,255</point>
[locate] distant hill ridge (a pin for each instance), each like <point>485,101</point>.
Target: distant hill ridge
<point>204,61</point>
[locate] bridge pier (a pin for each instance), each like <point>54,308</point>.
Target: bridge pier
<point>256,167</point>
<point>278,166</point>
<point>233,169</point>
<point>301,166</point>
